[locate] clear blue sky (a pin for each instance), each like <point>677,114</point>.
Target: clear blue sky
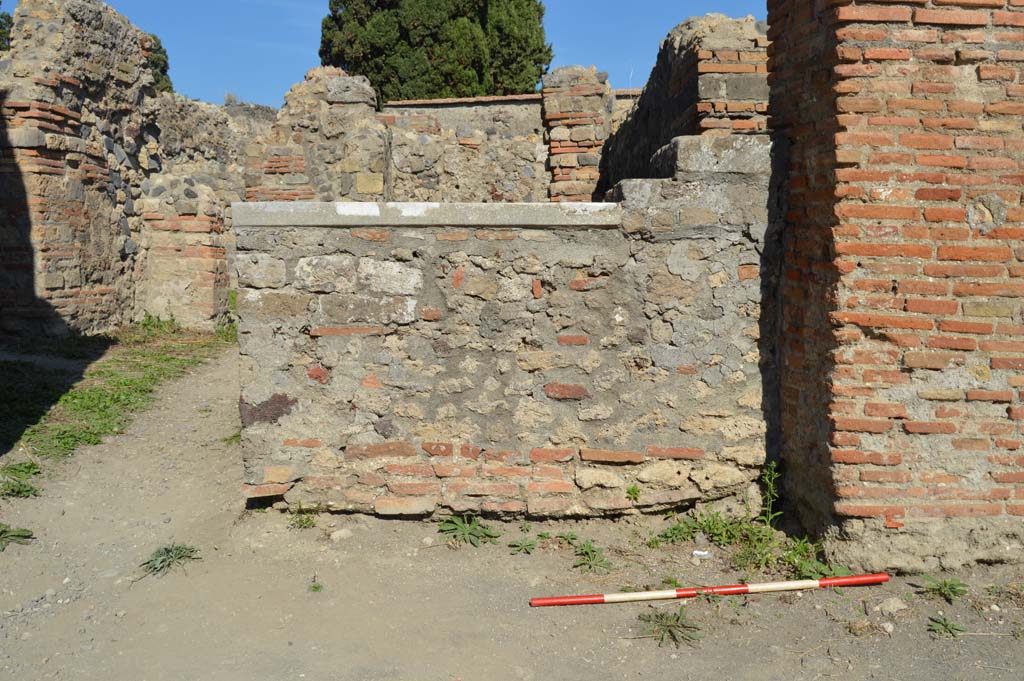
<point>257,48</point>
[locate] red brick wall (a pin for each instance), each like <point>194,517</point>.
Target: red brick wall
<point>904,348</point>
<point>715,115</point>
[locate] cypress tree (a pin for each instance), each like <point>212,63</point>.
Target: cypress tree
<point>420,49</point>
<point>159,65</point>
<point>5,31</point>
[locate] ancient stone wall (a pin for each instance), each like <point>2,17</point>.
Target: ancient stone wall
<point>114,198</point>
<point>412,358</point>
<point>486,149</point>
<point>711,77</point>
<point>901,300</point>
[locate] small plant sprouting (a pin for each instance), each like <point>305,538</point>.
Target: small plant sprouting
<point>315,585</point>
<point>568,538</point>
<point>543,536</point>
<point>590,558</point>
<point>527,546</point>
<point>302,519</point>
<point>946,589</point>
<point>943,627</point>
<point>235,439</point>
<point>468,530</point>
<point>164,559</point>
<point>633,493</point>
<point>14,480</point>
<point>671,627</point>
<point>525,527</point>
<point>13,535</point>
<point>672,583</point>
<point>770,480</point>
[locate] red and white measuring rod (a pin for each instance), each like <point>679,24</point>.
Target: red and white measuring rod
<point>731,590</point>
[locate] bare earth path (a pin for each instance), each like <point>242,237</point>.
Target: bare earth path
<point>397,604</point>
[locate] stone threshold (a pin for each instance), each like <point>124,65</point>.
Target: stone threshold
<point>350,214</point>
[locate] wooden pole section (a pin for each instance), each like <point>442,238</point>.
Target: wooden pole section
<point>730,590</point>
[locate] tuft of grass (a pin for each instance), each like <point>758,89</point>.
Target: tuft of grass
<point>756,544</point>
<point>234,439</point>
<point>315,586</point>
<point>947,589</point>
<point>15,477</point>
<point>943,627</point>
<point>671,627</point>
<point>527,546</point>
<point>302,520</point>
<point>227,332</point>
<point>633,493</point>
<point>590,558</point>
<point>13,535</point>
<point>468,530</point>
<point>233,301</point>
<point>166,558</point>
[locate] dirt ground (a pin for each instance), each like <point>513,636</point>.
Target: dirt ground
<point>396,602</point>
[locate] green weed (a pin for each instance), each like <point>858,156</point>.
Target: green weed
<point>543,536</point>
<point>946,589</point>
<point>672,583</point>
<point>235,439</point>
<point>15,477</point>
<point>671,627</point>
<point>302,519</point>
<point>468,530</point>
<point>568,538</point>
<point>943,627</point>
<point>315,586</point>
<point>525,527</point>
<point>756,544</point>
<point>590,558</point>
<point>527,546</point>
<point>633,493</point>
<point>227,332</point>
<point>13,535</point>
<point>166,558</point>
<point>233,301</point>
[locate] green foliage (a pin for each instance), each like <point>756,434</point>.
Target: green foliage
<point>15,477</point>
<point>590,558</point>
<point>525,527</point>
<point>568,538</point>
<point>671,627</point>
<point>672,583</point>
<point>519,51</point>
<point>757,544</point>
<point>468,530</point>
<point>5,31</point>
<point>315,586</point>
<point>633,493</point>
<point>159,65</point>
<point>543,536</point>
<point>164,559</point>
<point>302,519</point>
<point>527,546</point>
<point>943,627</point>
<point>52,419</point>
<point>12,535</point>
<point>418,49</point>
<point>227,332</point>
<point>946,589</point>
<point>234,439</point>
